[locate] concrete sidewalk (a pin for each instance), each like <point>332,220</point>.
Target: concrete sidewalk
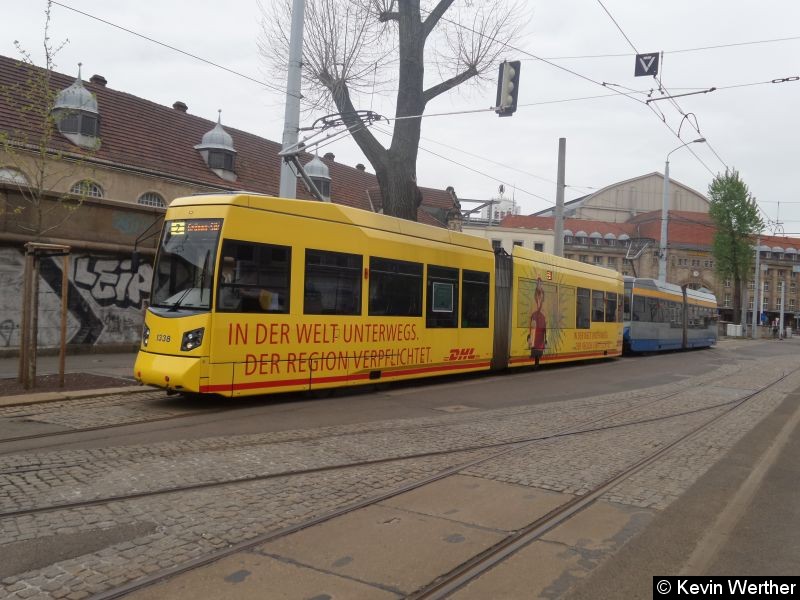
<point>108,365</point>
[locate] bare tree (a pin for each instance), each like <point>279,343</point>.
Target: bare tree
<point>39,166</point>
<point>353,48</point>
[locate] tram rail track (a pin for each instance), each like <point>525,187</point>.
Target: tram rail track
<point>447,584</point>
<point>479,564</point>
<point>299,438</point>
<point>352,465</point>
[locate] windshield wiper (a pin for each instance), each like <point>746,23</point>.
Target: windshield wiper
<point>177,304</point>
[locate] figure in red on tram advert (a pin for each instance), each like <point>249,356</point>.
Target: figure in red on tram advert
<point>537,336</point>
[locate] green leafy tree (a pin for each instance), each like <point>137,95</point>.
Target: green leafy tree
<point>735,214</point>
<point>36,165</point>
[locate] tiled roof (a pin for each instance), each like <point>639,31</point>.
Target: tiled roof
<point>143,135</point>
<point>527,222</point>
<point>574,225</point>
<point>684,228</point>
<point>601,227</point>
<point>780,240</point>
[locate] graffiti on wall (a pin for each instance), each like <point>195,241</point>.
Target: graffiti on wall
<point>104,303</point>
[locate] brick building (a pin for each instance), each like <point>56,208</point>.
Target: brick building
<point>600,227</point>
<point>124,158</point>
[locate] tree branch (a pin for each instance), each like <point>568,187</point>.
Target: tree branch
<point>442,87</point>
<point>370,146</point>
<point>435,15</point>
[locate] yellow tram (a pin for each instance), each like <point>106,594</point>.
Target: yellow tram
<point>253,294</point>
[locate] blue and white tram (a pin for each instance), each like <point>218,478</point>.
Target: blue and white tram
<point>663,316</point>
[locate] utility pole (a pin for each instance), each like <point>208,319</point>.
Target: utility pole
<point>780,323</point>
<point>291,119</point>
<point>757,289</point>
<point>743,301</point>
<point>560,185</point>
<point>662,247</point>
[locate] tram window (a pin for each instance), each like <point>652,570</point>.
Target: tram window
<point>626,310</point>
<point>598,299</point>
<point>583,309</point>
<point>442,292</point>
<point>676,316</point>
<point>639,312</point>
<point>395,288</point>
<point>655,312</point>
<point>475,308</point>
<point>693,317</point>
<point>333,283</point>
<point>254,278</point>
<point>611,307</point>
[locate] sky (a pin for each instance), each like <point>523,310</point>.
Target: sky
<point>737,46</point>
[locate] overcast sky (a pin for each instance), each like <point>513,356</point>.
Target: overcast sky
<point>753,128</point>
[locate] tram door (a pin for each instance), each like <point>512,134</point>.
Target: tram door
<point>502,310</point>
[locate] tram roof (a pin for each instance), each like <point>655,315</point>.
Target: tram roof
<point>336,213</point>
<point>557,261</point>
<point>654,284</point>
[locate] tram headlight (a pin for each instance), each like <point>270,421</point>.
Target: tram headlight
<point>192,339</point>
<point>145,336</point>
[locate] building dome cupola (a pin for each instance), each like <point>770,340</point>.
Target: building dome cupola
<point>319,173</point>
<point>76,97</point>
<point>217,150</point>
<point>76,114</point>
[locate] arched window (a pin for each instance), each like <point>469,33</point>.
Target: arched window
<point>152,199</point>
<point>88,188</point>
<point>12,175</point>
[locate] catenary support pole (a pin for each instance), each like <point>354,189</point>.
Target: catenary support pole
<point>662,246</point>
<point>33,335</point>
<point>25,321</point>
<point>743,307</point>
<point>756,289</point>
<point>291,119</point>
<point>560,185</point>
<point>62,351</point>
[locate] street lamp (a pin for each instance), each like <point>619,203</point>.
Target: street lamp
<point>662,253</point>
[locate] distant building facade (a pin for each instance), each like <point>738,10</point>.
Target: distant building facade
<point>537,234</point>
<point>623,201</point>
<point>606,227</point>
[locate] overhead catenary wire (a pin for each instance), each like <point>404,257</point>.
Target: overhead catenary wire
<point>676,51</point>
<point>581,76</point>
<point>271,86</point>
<point>474,170</point>
<point>334,138</point>
<point>282,90</point>
<point>663,89</point>
<point>680,110</point>
<point>530,55</point>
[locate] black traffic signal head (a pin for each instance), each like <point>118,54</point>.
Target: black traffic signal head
<point>507,88</point>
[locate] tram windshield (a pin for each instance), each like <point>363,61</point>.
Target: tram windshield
<point>184,271</point>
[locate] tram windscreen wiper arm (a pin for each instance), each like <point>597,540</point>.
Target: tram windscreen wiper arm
<point>177,304</point>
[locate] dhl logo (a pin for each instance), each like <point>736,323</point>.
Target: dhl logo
<point>462,354</point>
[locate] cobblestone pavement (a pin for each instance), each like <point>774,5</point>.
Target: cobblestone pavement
<point>94,412</point>
<point>176,527</point>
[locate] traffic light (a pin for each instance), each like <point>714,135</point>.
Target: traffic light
<point>507,88</point>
